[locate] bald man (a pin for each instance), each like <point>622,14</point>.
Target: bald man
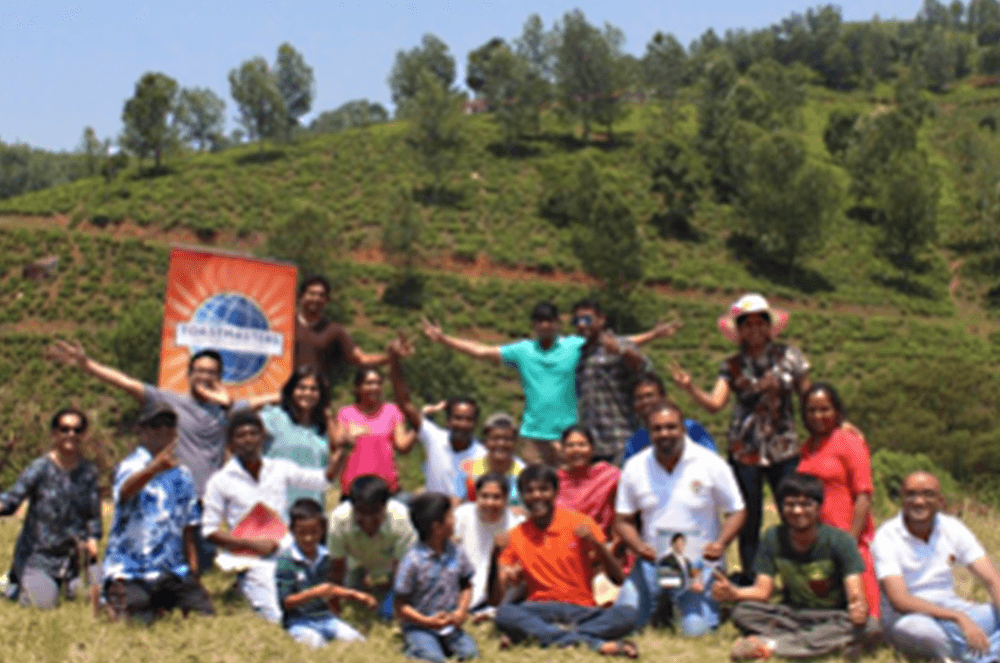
<point>914,552</point>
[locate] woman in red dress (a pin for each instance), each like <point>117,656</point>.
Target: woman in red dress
<point>837,454</point>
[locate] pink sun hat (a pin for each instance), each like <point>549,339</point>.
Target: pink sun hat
<point>745,305</point>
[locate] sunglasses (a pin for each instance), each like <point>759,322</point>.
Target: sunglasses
<point>79,430</point>
<point>165,422</point>
<point>583,319</point>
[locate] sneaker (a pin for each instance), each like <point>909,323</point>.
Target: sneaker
<point>751,649</point>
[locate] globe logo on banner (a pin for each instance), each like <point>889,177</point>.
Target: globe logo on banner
<point>234,310</point>
<point>236,327</point>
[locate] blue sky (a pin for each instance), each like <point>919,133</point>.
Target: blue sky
<point>64,65</point>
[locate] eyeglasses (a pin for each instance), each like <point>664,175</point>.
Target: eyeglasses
<point>914,494</point>
<point>583,319</point>
<point>79,430</point>
<point>804,504</point>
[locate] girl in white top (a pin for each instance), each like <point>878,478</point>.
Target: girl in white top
<point>477,525</point>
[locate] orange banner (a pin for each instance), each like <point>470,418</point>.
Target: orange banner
<point>240,306</point>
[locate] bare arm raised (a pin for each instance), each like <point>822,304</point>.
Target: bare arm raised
<point>73,354</point>
<point>472,348</point>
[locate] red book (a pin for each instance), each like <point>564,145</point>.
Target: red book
<point>260,521</point>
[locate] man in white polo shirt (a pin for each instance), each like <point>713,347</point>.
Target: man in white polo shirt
<point>914,552</point>
<point>678,487</point>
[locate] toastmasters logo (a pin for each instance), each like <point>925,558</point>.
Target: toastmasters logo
<point>241,307</point>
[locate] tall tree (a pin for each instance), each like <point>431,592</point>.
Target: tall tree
<point>663,70</point>
<point>94,151</point>
<point>786,201</point>
<point>589,72</point>
<point>149,117</point>
<point>295,82</point>
<point>262,108</point>
<point>436,137</point>
<point>906,201</point>
<point>405,78</point>
<point>503,80</point>
<point>536,47</point>
<point>201,114</point>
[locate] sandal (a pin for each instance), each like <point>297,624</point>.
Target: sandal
<point>625,648</point>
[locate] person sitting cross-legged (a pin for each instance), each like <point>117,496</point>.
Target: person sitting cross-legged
<point>823,609</point>
<point>302,579</point>
<point>433,585</point>
<point>554,552</point>
<point>914,554</point>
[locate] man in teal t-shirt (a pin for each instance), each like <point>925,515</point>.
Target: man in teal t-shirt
<point>547,366</point>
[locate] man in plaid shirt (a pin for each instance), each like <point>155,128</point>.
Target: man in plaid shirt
<point>608,365</point>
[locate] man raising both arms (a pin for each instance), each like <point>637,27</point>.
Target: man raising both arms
<point>321,342</point>
<point>547,367</point>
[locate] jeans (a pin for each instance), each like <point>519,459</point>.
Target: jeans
<point>698,612</point>
<point>751,481</point>
<point>259,588</point>
<point>428,645</point>
<point>564,624</point>
<point>317,631</point>
<point>925,636</point>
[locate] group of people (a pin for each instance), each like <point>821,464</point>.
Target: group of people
<point>619,515</point>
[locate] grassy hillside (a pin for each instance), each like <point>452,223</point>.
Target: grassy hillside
<point>915,365</point>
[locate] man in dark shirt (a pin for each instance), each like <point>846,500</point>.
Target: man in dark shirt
<point>823,609</point>
<point>321,342</point>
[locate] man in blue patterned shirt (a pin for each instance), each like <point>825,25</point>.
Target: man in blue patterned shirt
<point>151,562</point>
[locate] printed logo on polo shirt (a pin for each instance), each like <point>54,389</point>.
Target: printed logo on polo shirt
<point>696,486</point>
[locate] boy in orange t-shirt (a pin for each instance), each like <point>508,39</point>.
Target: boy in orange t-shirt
<point>553,552</point>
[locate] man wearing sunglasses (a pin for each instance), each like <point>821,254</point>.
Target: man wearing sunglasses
<point>151,561</point>
<point>914,554</point>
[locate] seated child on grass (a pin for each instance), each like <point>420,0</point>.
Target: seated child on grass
<point>433,587</point>
<point>303,589</point>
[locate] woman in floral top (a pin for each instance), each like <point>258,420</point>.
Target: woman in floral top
<point>763,377</point>
<point>64,517</point>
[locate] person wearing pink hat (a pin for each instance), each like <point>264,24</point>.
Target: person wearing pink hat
<point>763,377</point>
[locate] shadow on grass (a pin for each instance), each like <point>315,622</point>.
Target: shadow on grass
<point>267,156</point>
<point>570,143</point>
<point>153,172</point>
<point>440,197</point>
<point>671,225</point>
<point>863,214</point>
<point>904,286</point>
<point>516,150</point>
<point>763,264</point>
<point>406,292</point>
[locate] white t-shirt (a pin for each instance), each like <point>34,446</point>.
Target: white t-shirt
<point>476,538</point>
<point>232,491</point>
<point>925,566</point>
<point>443,462</point>
<point>686,501</point>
